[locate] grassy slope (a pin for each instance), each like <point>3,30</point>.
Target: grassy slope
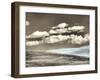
<point>48,59</point>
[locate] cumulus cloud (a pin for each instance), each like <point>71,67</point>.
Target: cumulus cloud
<point>76,28</point>
<point>61,30</point>
<point>52,31</point>
<point>52,39</point>
<point>56,38</point>
<point>32,43</point>
<point>38,34</point>
<point>73,39</point>
<point>62,25</point>
<point>54,27</point>
<point>79,39</point>
<point>58,31</point>
<point>27,23</point>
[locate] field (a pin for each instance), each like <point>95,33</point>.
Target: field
<point>38,59</point>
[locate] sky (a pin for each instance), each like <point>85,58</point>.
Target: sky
<point>43,21</point>
<point>40,23</point>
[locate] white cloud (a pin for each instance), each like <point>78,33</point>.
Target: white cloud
<point>76,39</point>
<point>63,30</point>
<point>60,28</point>
<point>76,28</point>
<point>27,23</point>
<point>54,27</point>
<point>32,43</point>
<point>38,34</point>
<point>58,38</point>
<point>79,39</point>
<point>62,38</point>
<point>52,39</point>
<point>86,38</point>
<point>52,31</point>
<point>72,39</point>
<point>62,25</point>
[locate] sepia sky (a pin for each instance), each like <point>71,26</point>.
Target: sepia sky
<point>43,21</point>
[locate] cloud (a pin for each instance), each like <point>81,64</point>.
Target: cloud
<point>58,38</point>
<point>38,34</point>
<point>62,38</point>
<point>72,39</point>
<point>62,25</point>
<point>79,39</point>
<point>61,30</point>
<point>76,28</point>
<point>58,31</point>
<point>32,43</point>
<point>54,27</point>
<point>52,31</point>
<point>27,23</point>
<point>52,39</point>
<point>64,28</point>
